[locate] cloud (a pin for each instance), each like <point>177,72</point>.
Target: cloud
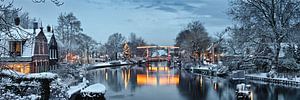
<point>171,6</point>
<point>167,9</point>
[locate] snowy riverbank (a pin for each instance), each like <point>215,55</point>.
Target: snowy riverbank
<point>109,64</point>
<point>280,80</point>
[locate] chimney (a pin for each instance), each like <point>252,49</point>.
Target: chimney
<point>41,29</point>
<point>17,21</point>
<point>48,28</point>
<point>35,26</point>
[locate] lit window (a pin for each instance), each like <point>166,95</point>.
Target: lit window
<point>15,48</point>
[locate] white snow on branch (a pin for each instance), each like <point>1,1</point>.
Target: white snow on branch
<point>43,75</point>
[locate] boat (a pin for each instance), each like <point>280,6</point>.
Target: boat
<point>243,92</point>
<point>223,71</point>
<point>95,91</point>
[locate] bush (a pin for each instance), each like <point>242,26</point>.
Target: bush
<point>289,64</point>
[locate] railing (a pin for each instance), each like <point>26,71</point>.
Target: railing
<point>274,80</point>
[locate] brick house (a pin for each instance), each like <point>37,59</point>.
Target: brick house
<point>29,50</point>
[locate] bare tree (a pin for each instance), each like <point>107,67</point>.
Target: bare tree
<point>193,38</point>
<point>56,2</point>
<point>68,29</point>
<point>114,44</point>
<point>271,19</point>
<point>87,45</point>
<point>134,42</point>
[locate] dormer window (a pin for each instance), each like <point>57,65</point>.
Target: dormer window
<point>15,48</point>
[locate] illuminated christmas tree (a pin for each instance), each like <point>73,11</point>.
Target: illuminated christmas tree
<point>126,51</point>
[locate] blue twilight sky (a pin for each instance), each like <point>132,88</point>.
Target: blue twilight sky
<point>157,21</point>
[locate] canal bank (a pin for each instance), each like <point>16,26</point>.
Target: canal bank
<point>161,82</point>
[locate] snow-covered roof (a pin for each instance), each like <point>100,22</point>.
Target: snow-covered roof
<point>18,33</point>
<point>28,48</point>
<point>27,35</point>
<point>47,34</point>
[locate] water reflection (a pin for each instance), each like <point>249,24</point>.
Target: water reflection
<point>158,81</point>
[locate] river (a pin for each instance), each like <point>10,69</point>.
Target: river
<point>157,81</point>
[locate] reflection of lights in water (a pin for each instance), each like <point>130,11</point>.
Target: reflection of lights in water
<point>160,80</point>
<point>126,77</point>
<point>201,81</point>
<point>216,86</point>
<point>106,75</point>
<point>155,69</point>
<point>251,95</point>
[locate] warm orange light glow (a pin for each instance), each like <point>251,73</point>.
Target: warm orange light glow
<point>201,80</point>
<point>20,67</point>
<point>71,57</point>
<point>169,80</point>
<point>145,47</point>
<point>143,79</point>
<point>155,69</point>
<point>126,77</point>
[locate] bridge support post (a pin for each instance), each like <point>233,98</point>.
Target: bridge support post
<point>169,55</point>
<point>147,55</point>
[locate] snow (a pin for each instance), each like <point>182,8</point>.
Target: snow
<point>123,62</point>
<point>12,96</point>
<point>103,64</point>
<point>20,33</point>
<point>110,63</point>
<point>204,68</point>
<point>43,75</point>
<point>10,73</point>
<point>28,48</point>
<point>159,53</point>
<point>74,89</point>
<point>264,75</point>
<point>95,88</point>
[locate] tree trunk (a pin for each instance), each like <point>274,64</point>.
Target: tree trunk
<point>45,93</point>
<point>276,58</point>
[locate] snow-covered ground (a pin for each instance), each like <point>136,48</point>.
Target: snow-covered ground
<point>103,64</point>
<point>264,75</point>
<point>110,63</point>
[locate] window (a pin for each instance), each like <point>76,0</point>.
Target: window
<point>15,48</point>
<point>55,54</point>
<point>51,54</point>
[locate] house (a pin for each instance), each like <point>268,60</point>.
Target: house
<point>29,50</point>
